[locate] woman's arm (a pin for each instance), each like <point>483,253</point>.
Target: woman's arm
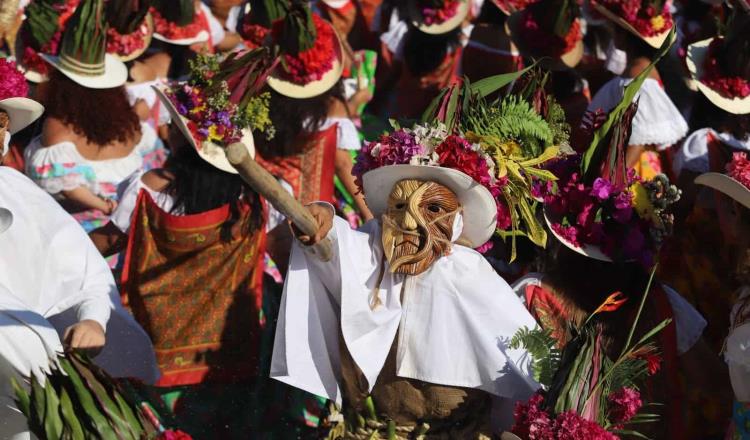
<point>83,197</point>
<point>344,165</point>
<point>108,239</point>
<point>633,154</point>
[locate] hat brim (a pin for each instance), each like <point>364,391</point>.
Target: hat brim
<point>696,57</point>
<point>655,41</point>
<point>201,37</point>
<point>208,151</point>
<point>22,112</point>
<point>502,7</point>
<point>314,88</point>
<point>568,59</point>
<point>115,73</point>
<point>727,185</point>
<point>149,21</point>
<point>435,29</point>
<point>586,250</point>
<point>479,207</point>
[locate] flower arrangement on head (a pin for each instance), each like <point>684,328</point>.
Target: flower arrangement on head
<point>41,32</point>
<point>130,28</point>
<point>498,144</point>
<point>735,183</point>
<point>16,110</point>
<point>649,19</point>
<point>549,28</point>
<point>13,84</point>
<point>311,53</point>
<point>585,394</point>
<point>720,66</point>
<point>220,103</point>
<point>599,208</point>
<point>179,22</point>
<point>510,6</point>
<point>80,400</point>
<point>437,16</point>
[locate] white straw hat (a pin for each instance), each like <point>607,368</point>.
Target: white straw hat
<point>22,112</point>
<point>441,28</point>
<point>696,58</point>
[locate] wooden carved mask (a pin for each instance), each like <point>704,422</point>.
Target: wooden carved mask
<point>418,225</point>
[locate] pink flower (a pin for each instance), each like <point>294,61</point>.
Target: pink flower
<point>531,421</point>
<point>739,169</point>
<point>624,404</point>
<point>12,82</point>
<point>174,435</point>
<point>601,189</point>
<point>568,233</point>
<point>571,426</point>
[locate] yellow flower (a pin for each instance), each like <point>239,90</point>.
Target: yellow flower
<point>658,22</point>
<point>212,134</point>
<point>642,203</point>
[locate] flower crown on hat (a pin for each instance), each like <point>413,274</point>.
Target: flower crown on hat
<point>220,100</point>
<point>308,44</point>
<point>550,27</point>
<point>739,169</point>
<point>42,31</point>
<point>510,6</point>
<point>12,82</point>
<point>726,66</point>
<point>649,17</point>
<point>176,19</point>
<point>437,11</point>
<point>130,28</point>
<point>499,144</point>
<point>598,207</point>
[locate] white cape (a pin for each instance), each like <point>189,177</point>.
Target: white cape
<point>51,269</point>
<point>455,321</point>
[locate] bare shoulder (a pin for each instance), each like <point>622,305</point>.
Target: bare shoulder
<point>157,180</point>
<point>55,131</point>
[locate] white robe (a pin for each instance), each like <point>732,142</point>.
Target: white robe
<point>52,276</point>
<point>455,321</point>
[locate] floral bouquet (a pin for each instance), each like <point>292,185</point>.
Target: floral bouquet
<point>130,28</point>
<point>599,208</point>
<point>42,31</point>
<point>309,44</point>
<point>550,28</point>
<point>586,395</point>
<point>437,11</point>
<point>76,399</point>
<point>518,133</point>
<point>727,85</point>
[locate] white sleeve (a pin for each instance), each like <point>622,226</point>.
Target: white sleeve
<point>347,135</point>
<point>688,321</point>
<point>127,200</point>
<point>692,155</point>
<point>275,218</point>
<point>217,30</point>
<point>657,121</point>
<point>233,17</point>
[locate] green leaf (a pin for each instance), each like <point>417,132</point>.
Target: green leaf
<point>38,407</point>
<point>490,85</point>
<point>23,399</point>
<point>53,425</point>
<point>69,416</point>
<point>87,402</point>
<point>597,144</point>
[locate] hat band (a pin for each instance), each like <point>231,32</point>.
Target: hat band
<point>80,68</point>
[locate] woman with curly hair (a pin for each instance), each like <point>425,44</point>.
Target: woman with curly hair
<point>92,140</point>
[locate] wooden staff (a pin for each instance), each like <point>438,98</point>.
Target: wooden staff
<point>267,186</point>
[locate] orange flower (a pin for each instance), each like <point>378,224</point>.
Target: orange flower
<point>612,303</point>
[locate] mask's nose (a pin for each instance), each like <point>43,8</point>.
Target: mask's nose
<point>408,222</point>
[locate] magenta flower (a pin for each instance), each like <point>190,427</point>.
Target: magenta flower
<point>624,404</point>
<point>601,189</point>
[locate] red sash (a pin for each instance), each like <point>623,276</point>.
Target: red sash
<point>311,173</point>
<point>197,297</point>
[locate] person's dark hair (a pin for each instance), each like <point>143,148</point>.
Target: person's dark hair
<point>633,45</point>
<point>706,115</point>
<point>424,53</point>
<point>102,116</point>
<point>294,121</point>
<point>197,186</point>
<point>491,14</point>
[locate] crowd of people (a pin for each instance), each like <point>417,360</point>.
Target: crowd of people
<point>365,219</point>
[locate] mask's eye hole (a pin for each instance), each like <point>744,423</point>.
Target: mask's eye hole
<point>400,205</point>
<point>433,208</point>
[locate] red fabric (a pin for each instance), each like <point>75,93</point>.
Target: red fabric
<point>311,173</point>
<point>197,296</point>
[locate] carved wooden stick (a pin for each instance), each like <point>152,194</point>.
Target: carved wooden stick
<point>267,186</point>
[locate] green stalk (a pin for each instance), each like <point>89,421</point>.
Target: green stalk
<point>640,308</point>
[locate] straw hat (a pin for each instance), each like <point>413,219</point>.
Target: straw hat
<point>173,33</point>
<point>418,19</point>
<point>654,41</point>
<point>22,112</point>
<point>696,61</point>
<point>208,151</point>
<point>282,82</point>
<point>147,30</point>
<point>83,56</point>
<point>727,185</point>
<point>479,208</point>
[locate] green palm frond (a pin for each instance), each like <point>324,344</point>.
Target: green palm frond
<point>543,350</point>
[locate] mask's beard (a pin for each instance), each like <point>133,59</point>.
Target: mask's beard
<point>414,237</point>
